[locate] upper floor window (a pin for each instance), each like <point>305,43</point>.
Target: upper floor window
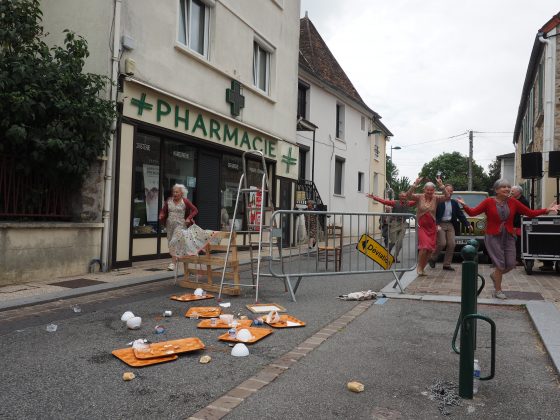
<point>339,176</point>
<point>363,123</point>
<point>194,25</point>
<point>261,67</point>
<point>360,182</point>
<point>303,90</point>
<point>339,121</point>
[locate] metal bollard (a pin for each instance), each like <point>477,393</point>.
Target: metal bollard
<point>468,324</point>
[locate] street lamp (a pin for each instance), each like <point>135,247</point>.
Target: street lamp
<point>387,182</point>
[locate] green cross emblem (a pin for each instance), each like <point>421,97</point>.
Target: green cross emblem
<point>235,98</point>
<point>141,104</point>
<point>289,160</point>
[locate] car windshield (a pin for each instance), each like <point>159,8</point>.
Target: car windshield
<point>472,200</point>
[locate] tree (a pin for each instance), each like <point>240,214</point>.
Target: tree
<point>52,117</point>
<point>454,169</point>
<point>401,184</point>
<point>494,172</point>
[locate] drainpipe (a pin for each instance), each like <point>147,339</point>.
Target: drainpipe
<point>108,190</point>
<point>331,192</point>
<point>548,123</point>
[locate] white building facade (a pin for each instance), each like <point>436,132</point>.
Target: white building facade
<point>197,83</point>
<point>343,152</point>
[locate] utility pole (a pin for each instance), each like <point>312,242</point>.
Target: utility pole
<point>470,160</point>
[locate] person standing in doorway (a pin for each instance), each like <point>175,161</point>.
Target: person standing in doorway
<point>448,217</point>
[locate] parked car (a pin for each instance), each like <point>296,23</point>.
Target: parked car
<point>478,223</point>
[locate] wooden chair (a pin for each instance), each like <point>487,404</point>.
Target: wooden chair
<point>331,250</point>
<point>214,266</point>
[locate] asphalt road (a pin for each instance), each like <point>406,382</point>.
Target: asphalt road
<point>71,373</point>
<point>397,350</point>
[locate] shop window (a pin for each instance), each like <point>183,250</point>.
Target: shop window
<point>146,184</point>
<point>178,168</point>
<point>232,168</point>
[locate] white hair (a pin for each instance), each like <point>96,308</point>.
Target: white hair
<point>517,188</point>
<point>501,183</point>
<point>182,188</point>
<point>429,184</point>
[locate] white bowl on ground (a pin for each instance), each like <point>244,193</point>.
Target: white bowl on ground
<point>134,323</point>
<point>244,335</point>
<point>240,350</point>
<point>126,316</point>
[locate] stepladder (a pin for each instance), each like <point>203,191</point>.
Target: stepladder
<point>255,203</point>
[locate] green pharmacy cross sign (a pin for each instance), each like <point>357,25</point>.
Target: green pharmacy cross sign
<point>141,104</point>
<point>289,160</point>
<point>235,98</point>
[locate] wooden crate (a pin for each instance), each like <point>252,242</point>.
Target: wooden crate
<point>204,278</point>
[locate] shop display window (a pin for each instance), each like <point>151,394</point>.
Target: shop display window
<point>232,168</point>
<point>146,184</point>
<point>179,162</point>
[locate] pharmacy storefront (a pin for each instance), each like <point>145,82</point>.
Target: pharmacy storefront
<point>164,140</point>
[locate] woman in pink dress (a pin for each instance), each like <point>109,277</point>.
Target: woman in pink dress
<point>426,219</point>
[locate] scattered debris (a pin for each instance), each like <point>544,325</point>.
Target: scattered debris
<point>381,301</point>
<point>167,313</point>
<point>52,327</point>
<point>76,308</point>
<point>445,393</point>
<point>225,304</point>
<point>128,376</point>
<point>134,323</point>
<point>126,316</point>
<point>355,386</point>
<point>205,359</point>
<point>159,329</point>
<point>364,295</point>
<point>240,350</point>
<point>243,317</point>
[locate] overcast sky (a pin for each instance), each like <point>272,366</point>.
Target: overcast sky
<point>434,69</point>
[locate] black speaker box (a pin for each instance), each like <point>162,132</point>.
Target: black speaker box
<point>554,164</point>
<point>531,165</point>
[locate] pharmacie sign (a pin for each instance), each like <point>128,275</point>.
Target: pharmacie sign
<point>141,104</point>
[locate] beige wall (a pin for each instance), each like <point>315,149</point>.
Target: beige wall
<point>44,251</point>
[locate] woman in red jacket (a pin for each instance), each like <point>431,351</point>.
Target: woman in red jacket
<point>500,235</point>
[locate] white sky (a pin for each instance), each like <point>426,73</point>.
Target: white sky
<point>436,68</point>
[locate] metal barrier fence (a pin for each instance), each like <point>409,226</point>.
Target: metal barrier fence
<point>319,243</point>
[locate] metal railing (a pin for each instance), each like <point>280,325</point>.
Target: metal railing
<point>346,244</point>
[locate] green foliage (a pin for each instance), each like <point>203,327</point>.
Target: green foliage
<point>493,175</point>
<point>52,117</point>
<point>401,185</point>
<point>454,169</point>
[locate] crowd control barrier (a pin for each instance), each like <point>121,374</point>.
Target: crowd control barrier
<point>320,243</point>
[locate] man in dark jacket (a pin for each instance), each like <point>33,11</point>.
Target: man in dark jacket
<point>448,216</point>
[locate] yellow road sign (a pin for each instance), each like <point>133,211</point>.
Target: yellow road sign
<point>374,250</point>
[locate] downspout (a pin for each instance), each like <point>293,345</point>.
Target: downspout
<point>330,174</point>
<point>548,123</point>
<point>108,190</point>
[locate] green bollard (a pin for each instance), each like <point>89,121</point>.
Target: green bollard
<point>468,307</point>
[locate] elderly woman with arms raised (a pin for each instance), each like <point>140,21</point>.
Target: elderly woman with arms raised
<point>500,235</point>
<point>426,205</point>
